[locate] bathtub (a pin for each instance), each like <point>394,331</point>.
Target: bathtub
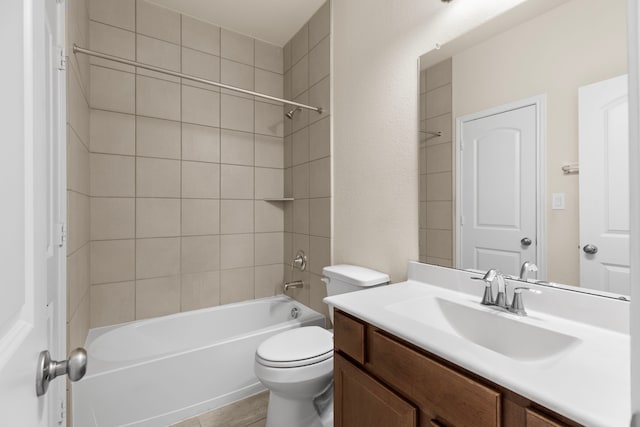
<point>159,371</point>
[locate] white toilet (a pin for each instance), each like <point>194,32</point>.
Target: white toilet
<point>297,365</point>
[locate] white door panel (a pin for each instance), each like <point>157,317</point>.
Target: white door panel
<point>498,191</point>
<point>604,185</point>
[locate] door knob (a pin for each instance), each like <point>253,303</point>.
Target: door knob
<point>47,370</point>
<point>590,249</point>
<point>525,241</point>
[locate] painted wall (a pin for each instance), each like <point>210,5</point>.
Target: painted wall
<point>375,92</point>
<point>578,43</point>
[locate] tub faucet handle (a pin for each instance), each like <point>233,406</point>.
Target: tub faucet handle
<point>300,261</point>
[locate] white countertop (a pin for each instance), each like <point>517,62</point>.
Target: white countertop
<point>588,382</point>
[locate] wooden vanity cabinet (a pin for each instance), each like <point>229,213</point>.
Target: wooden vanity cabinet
<point>381,380</point>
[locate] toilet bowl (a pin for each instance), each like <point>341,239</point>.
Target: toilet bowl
<point>297,365</point>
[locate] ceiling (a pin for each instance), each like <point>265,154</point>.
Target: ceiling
<point>272,21</point>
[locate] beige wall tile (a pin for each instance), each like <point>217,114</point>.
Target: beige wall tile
<point>237,113</point>
<point>439,186</point>
<point>236,216</point>
<point>78,278</point>
<point>158,53</point>
<point>200,106</point>
<point>157,297</point>
<point>112,90</point>
<point>438,75</point>
<point>201,65</point>
<point>268,57</point>
<point>269,280</point>
<point>269,216</point>
<point>269,183</point>
<point>318,291</point>
<point>157,138</point>
<point>286,55</point>
<point>157,177</point>
<point>439,243</point>
<point>300,76</point>
<point>319,62</point>
<point>301,216</point>
<point>78,220</point>
<point>236,182</point>
<point>320,217</point>
<point>236,285</point>
<point>112,218</point>
<point>112,261</point>
<point>236,147</point>
<point>440,124</point>
<point>300,243</point>
<point>439,261</point>
<point>200,253</point>
<point>157,217</point>
<point>319,254</point>
<point>439,215</point>
<point>288,151</point>
<point>439,158</point>
<point>269,248</point>
<point>112,41</point>
<point>439,101</point>
<point>200,290</point>
<point>269,151</point>
<point>158,22</point>
<point>301,119</point>
<point>157,257</point>
<point>112,176</point>
<point>320,139</point>
<point>300,44</point>
<point>320,178</point>
<point>201,143</point>
<point>300,146</point>
<point>157,98</point>
<point>269,83</point>
<point>79,324</point>
<point>119,13</point>
<point>77,109</point>
<point>200,180</point>
<point>269,119</point>
<point>200,216</point>
<point>200,35</point>
<point>320,24</point>
<point>112,303</point>
<point>320,96</point>
<point>78,177</point>
<point>236,74</point>
<point>112,133</point>
<point>236,250</point>
<point>288,182</point>
<point>236,47</point>
<point>422,214</point>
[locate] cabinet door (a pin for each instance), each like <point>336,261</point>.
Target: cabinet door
<point>361,401</point>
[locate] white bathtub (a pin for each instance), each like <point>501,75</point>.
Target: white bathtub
<point>159,371</point>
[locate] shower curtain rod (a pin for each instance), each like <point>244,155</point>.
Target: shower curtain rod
<point>78,49</point>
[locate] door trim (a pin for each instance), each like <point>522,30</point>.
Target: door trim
<point>540,104</point>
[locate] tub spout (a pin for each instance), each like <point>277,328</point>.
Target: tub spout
<point>295,284</point>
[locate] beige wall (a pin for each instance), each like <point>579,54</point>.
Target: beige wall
<point>307,157</point>
<point>580,42</point>
<point>78,307</point>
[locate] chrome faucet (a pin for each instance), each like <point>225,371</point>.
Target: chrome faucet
<point>527,266</point>
<point>501,301</point>
<point>293,285</point>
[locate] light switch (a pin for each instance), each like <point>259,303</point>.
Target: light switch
<point>557,202</point>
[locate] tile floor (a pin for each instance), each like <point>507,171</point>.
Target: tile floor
<point>250,412</point>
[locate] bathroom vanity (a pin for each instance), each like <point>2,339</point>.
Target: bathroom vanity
<point>426,353</point>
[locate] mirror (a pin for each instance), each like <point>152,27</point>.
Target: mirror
<point>548,55</point>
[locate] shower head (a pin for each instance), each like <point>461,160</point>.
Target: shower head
<point>292,112</point>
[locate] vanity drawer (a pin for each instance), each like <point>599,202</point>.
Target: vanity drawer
<point>536,419</point>
<point>348,336</point>
<point>445,396</point>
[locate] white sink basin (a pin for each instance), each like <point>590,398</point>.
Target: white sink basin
<point>494,330</point>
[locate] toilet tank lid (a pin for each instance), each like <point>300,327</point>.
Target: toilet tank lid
<point>355,275</point>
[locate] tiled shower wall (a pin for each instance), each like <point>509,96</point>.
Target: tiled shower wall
<point>179,170</point>
<point>78,248</point>
<point>436,166</point>
<point>307,157</point>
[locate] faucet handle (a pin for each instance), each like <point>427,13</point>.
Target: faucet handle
<point>517,305</point>
<point>487,298</point>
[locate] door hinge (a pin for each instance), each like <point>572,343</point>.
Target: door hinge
<point>62,64</point>
<point>62,412</point>
<point>62,234</point>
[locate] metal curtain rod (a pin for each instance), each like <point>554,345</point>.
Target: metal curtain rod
<point>78,49</point>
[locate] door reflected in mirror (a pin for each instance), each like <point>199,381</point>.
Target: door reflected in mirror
<point>519,160</point>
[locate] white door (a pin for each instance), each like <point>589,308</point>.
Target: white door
<point>604,186</point>
<point>32,307</point>
<point>498,190</point>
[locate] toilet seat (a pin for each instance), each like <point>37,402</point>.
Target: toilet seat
<point>295,348</point>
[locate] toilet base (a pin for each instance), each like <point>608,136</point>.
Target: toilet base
<point>285,411</point>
